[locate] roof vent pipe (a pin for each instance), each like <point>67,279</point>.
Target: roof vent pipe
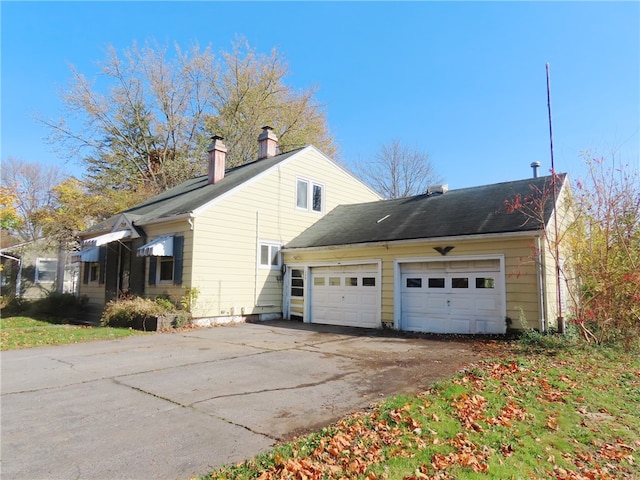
<point>437,189</point>
<point>535,166</point>
<point>267,143</point>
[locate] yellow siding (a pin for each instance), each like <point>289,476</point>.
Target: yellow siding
<point>228,231</point>
<point>180,227</point>
<point>554,252</point>
<point>92,290</point>
<point>520,268</point>
<point>95,292</point>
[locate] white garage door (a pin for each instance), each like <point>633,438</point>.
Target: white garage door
<point>452,297</point>
<point>346,295</point>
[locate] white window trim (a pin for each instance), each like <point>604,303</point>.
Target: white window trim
<point>159,269</point>
<point>310,184</point>
<point>37,272</point>
<point>270,244</point>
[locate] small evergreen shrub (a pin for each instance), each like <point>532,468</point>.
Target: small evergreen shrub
<point>61,305</point>
<point>14,306</point>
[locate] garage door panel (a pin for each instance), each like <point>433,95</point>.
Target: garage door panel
<point>461,325</point>
<point>420,323</point>
<point>348,297</point>
<point>487,305</point>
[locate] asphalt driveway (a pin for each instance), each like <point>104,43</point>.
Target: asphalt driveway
<point>180,404</point>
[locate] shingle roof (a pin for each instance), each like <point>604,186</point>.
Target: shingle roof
<point>190,195</point>
<point>466,211</point>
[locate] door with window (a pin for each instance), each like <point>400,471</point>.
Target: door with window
<point>452,297</point>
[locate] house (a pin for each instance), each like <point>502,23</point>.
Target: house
<point>219,235</point>
<point>471,260</point>
<point>32,270</point>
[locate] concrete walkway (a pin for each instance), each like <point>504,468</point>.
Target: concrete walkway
<point>177,405</point>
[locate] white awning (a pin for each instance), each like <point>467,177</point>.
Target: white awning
<point>90,254</point>
<point>160,247</point>
<point>106,238</point>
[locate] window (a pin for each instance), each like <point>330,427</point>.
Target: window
<point>46,270</point>
<point>318,281</point>
<point>436,283</point>
<point>485,282</point>
<point>165,269</point>
<point>302,196</point>
<point>368,281</point>
<point>297,282</point>
<point>460,282</point>
<point>94,271</point>
<point>309,195</point>
<point>269,255</point>
<point>351,281</point>
<point>334,281</point>
<point>414,283</point>
<point>317,198</point>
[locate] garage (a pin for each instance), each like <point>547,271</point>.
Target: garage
<point>346,295</point>
<point>465,296</point>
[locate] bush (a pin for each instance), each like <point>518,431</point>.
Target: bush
<point>134,312</point>
<point>61,305</point>
<point>551,341</point>
<point>58,305</point>
<point>142,314</point>
<point>13,306</point>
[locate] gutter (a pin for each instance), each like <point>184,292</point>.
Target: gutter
<point>386,243</point>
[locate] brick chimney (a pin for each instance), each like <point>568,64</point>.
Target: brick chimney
<point>217,159</point>
<point>267,143</point>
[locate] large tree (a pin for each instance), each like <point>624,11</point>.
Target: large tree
<point>144,122</point>
<point>28,190</point>
<point>250,93</point>
<point>75,208</point>
<point>399,171</point>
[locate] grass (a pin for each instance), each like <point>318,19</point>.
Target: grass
<point>27,332</point>
<point>565,414</point>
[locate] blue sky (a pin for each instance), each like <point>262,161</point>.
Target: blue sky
<point>463,81</point>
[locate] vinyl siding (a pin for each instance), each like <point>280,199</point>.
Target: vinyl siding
<point>181,227</point>
<point>227,233</point>
<point>565,217</point>
<point>521,280</point>
<point>96,292</point>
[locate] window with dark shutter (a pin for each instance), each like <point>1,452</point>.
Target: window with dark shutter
<point>153,265</point>
<point>102,261</point>
<point>178,259</point>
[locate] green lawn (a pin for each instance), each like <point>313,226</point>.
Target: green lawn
<point>26,332</point>
<point>570,414</point>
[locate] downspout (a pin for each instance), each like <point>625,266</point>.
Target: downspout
<point>541,286</point>
<point>18,275</point>
<point>257,250</point>
<point>255,284</point>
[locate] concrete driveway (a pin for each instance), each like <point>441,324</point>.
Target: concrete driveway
<point>177,405</point>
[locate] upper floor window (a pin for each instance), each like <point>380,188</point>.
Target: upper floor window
<point>309,195</point>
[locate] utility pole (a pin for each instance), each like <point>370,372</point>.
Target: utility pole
<point>560,319</point>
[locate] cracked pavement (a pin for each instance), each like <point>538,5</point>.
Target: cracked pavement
<point>177,405</point>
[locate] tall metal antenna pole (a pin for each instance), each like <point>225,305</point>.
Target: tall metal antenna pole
<point>560,319</point>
